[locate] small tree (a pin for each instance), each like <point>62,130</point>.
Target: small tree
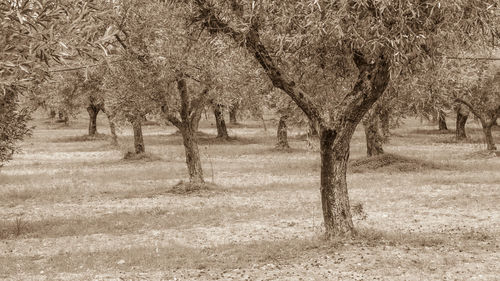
<point>483,100</point>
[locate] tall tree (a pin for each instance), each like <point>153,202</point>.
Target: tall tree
<point>366,39</point>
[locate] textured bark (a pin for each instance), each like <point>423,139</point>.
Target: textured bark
<point>193,160</point>
<point>93,112</point>
<point>462,116</point>
<point>282,133</point>
<point>138,138</point>
<point>490,144</point>
<point>442,121</point>
<point>374,138</point>
<point>334,196</point>
<point>219,121</point>
<point>385,124</point>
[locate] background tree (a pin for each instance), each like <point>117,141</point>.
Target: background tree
<point>479,90</point>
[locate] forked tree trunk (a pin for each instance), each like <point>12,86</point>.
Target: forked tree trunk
<point>282,133</point>
<point>219,121</point>
<point>374,139</point>
<point>442,121</point>
<point>233,111</point>
<point>490,143</point>
<point>334,196</point>
<point>462,116</point>
<point>93,112</point>
<point>190,113</point>
<point>193,160</point>
<point>138,138</point>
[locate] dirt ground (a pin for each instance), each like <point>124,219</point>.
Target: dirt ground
<point>76,210</point>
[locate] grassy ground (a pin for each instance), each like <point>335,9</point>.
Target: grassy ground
<point>74,209</point>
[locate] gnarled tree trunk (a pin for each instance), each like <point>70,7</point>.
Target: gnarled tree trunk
<point>193,160</point>
<point>93,112</point>
<point>462,116</point>
<point>442,121</point>
<point>334,196</point>
<point>490,144</point>
<point>219,121</point>
<point>374,139</point>
<point>282,133</point>
<point>138,138</point>
<point>385,123</point>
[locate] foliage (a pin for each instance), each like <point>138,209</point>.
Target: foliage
<point>33,35</point>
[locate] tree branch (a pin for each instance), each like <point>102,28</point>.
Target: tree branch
<point>472,109</point>
<point>254,46</point>
<point>197,105</point>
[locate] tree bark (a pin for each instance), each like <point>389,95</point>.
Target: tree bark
<point>190,113</point>
<point>219,121</point>
<point>282,133</point>
<point>233,111</point>
<point>138,138</point>
<point>93,112</point>
<point>193,160</point>
<point>374,138</point>
<point>442,121</point>
<point>334,196</point>
<point>462,116</point>
<point>385,124</point>
<point>490,143</point>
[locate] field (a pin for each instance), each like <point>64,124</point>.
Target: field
<point>72,209</point>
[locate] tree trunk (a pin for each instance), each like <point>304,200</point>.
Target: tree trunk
<point>233,110</point>
<point>219,120</point>
<point>112,129</point>
<point>385,124</point>
<point>193,160</point>
<point>282,133</point>
<point>63,117</point>
<point>93,111</point>
<point>488,136</point>
<point>138,138</point>
<point>442,121</point>
<point>334,196</point>
<point>462,116</point>
<point>373,136</point>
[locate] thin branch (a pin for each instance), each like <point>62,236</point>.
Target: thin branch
<point>472,58</point>
<point>80,67</point>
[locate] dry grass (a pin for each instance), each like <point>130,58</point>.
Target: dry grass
<point>77,211</point>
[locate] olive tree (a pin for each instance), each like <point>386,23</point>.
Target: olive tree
<point>360,42</point>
